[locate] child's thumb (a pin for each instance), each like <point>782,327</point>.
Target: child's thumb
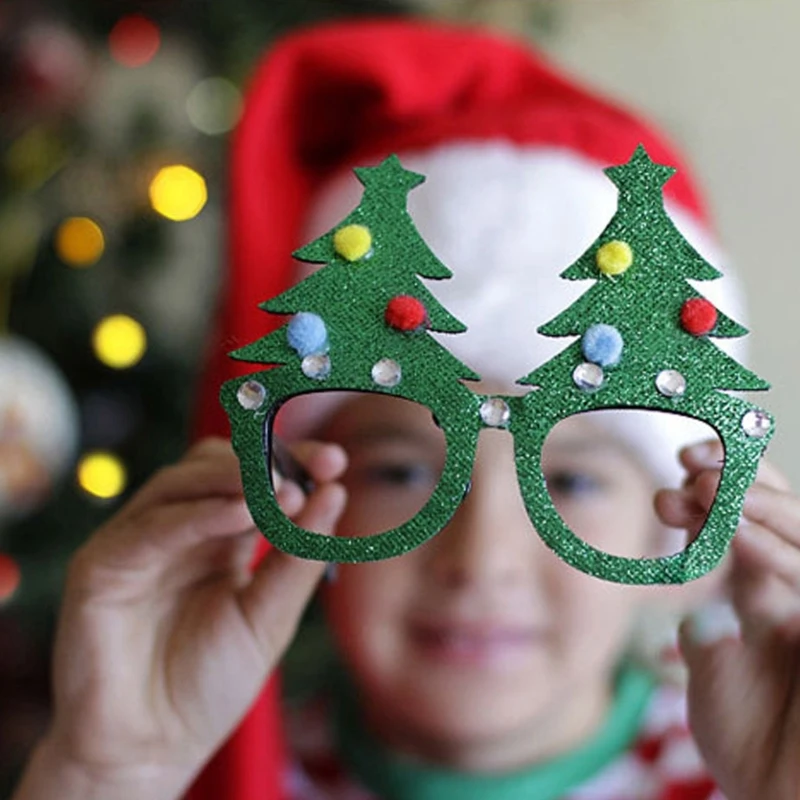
<point>705,638</point>
<point>282,584</point>
<point>711,646</point>
<point>703,631</point>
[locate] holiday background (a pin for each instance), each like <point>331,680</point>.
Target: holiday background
<point>114,121</point>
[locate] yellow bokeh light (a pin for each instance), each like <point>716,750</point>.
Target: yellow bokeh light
<point>102,474</point>
<point>178,193</point>
<point>119,341</point>
<point>79,242</point>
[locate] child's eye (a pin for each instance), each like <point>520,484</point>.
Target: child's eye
<point>398,474</point>
<point>572,484</point>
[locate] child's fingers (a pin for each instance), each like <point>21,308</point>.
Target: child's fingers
<point>282,584</point>
<point>774,509</point>
<point>769,475</point>
<point>178,526</point>
<point>324,462</point>
<point>703,488</point>
<point>712,623</point>
<point>200,475</point>
<point>709,455</point>
<point>678,508</point>
<point>762,549</point>
<point>770,508</point>
<point>167,514</point>
<point>688,507</point>
<point>766,603</point>
<point>766,502</point>
<point>290,497</point>
<point>704,455</point>
<point>209,447</point>
<point>710,644</point>
<point>211,468</point>
<point>158,540</point>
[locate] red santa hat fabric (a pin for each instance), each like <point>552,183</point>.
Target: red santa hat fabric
<point>344,94</point>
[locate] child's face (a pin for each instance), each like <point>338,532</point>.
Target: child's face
<point>483,633</point>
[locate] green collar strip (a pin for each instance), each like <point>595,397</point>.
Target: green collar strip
<point>395,778</point>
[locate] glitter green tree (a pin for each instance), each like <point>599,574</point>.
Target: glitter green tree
<point>360,323</point>
<point>368,298</point>
<point>644,343</point>
<point>654,323</point>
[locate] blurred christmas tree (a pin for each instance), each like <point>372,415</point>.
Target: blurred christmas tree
<point>113,123</point>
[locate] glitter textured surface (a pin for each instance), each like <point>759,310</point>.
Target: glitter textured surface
<point>351,298</point>
<point>643,303</point>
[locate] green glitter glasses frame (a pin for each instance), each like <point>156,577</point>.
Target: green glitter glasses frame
<point>252,402</point>
<point>362,323</point>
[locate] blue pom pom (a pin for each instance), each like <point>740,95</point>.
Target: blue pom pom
<point>602,344</point>
<point>307,334</point>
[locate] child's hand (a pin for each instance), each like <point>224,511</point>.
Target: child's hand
<point>744,692</point>
<point>165,638</point>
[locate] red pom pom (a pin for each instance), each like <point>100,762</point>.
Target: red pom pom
<point>9,577</point>
<point>405,313</point>
<point>698,316</point>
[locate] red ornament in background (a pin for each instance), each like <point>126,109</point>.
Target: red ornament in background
<point>698,316</point>
<point>405,313</point>
<point>9,577</point>
<point>134,40</point>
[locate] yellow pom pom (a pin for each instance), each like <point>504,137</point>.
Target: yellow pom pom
<point>352,242</point>
<point>613,258</point>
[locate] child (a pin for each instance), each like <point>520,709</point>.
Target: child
<point>478,665</point>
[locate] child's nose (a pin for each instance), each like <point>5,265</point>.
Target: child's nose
<point>490,539</point>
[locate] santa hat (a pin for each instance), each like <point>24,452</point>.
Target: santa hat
<point>465,107</point>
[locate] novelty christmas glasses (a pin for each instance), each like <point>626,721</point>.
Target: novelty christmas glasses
<point>361,323</point>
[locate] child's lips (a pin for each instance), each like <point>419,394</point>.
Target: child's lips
<point>482,644</point>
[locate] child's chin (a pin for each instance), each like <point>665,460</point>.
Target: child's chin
<point>478,718</point>
<point>469,705</point>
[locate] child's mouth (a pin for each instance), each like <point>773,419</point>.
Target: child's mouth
<point>476,644</point>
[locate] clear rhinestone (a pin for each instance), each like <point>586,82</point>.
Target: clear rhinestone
<point>386,372</point>
<point>495,412</point>
<point>317,366</point>
<point>756,423</point>
<point>251,395</point>
<point>670,383</point>
<point>588,377</point>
